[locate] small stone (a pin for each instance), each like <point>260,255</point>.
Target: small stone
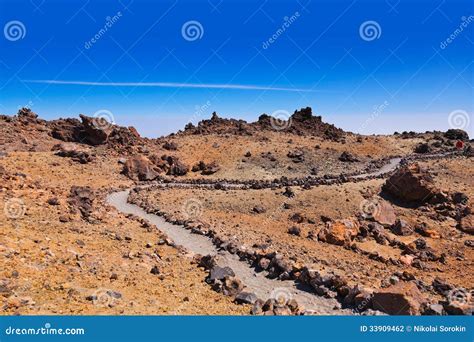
<point>434,310</point>
<point>219,273</point>
<point>294,231</point>
<point>402,228</point>
<point>246,298</point>
<point>394,280</point>
<point>155,270</point>
<point>258,209</point>
<point>53,201</point>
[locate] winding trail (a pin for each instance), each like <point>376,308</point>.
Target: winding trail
<point>255,282</point>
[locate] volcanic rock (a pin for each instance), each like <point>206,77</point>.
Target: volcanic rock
<point>422,148</point>
<point>219,273</point>
<point>246,298</point>
<point>339,232</point>
<point>404,298</point>
<point>95,130</point>
<point>401,227</point>
<point>140,168</point>
<point>466,224</point>
<point>232,286</point>
<point>348,157</point>
<point>170,146</point>
<point>456,134</point>
<point>74,151</point>
<point>81,198</point>
<point>411,183</point>
<point>294,231</point>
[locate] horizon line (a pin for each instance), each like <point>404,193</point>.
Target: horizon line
<point>173,85</point>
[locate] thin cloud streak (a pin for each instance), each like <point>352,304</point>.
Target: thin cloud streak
<point>171,85</point>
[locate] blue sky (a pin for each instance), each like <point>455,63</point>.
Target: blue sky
<point>405,76</point>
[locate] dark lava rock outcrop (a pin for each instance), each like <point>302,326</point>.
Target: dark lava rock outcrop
<point>301,122</point>
<point>411,183</point>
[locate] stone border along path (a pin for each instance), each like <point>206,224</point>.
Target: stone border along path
<point>232,184</point>
<point>255,282</point>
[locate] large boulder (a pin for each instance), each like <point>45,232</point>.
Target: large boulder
<point>74,151</point>
<point>140,168</point>
<point>206,168</point>
<point>411,183</point>
<point>339,232</point>
<point>466,224</point>
<point>176,167</point>
<point>95,130</point>
<point>68,130</point>
<point>403,298</point>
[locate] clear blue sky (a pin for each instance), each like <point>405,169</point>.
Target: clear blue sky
<point>407,78</point>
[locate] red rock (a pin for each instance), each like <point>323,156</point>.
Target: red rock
<point>339,232</point>
<point>411,183</point>
<point>406,259</point>
<point>404,298</point>
<point>466,224</point>
<point>140,168</point>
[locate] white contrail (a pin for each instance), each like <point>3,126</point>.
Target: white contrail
<point>170,85</point>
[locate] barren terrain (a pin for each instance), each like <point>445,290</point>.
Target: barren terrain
<point>304,204</point>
